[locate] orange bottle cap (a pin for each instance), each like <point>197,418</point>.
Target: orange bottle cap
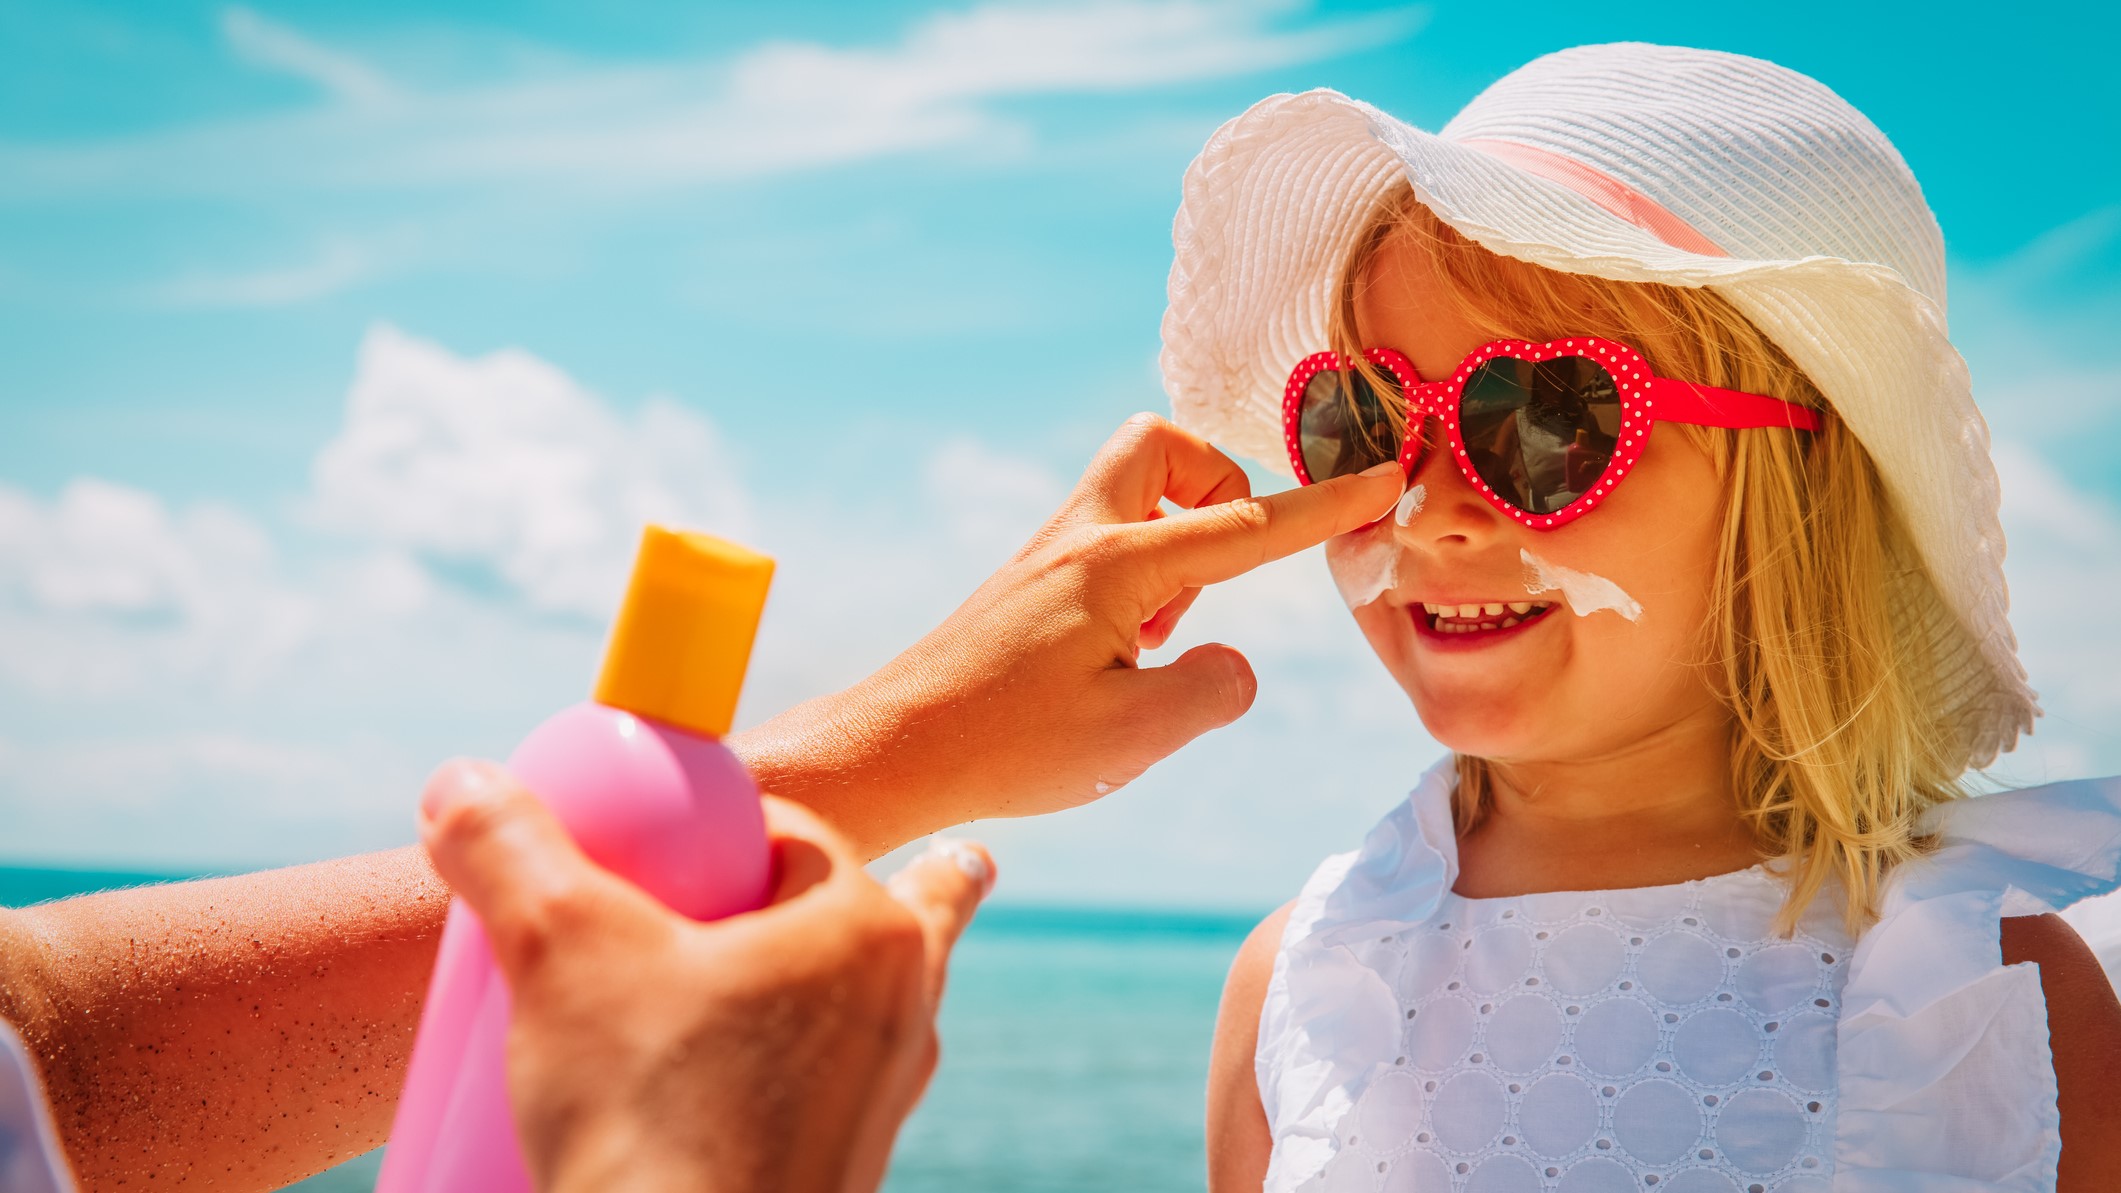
<point>683,638</point>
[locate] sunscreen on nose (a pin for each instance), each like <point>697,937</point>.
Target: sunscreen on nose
<point>643,783</point>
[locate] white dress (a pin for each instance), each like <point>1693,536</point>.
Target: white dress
<point>30,1158</point>
<point>1660,1039</point>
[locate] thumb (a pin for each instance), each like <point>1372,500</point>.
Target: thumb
<point>1205,688</point>
<point>943,888</point>
<point>513,864</point>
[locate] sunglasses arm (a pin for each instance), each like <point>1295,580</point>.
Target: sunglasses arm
<point>1675,401</point>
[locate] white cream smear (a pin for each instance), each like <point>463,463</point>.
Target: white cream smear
<point>1410,504</point>
<point>1365,563</point>
<point>1586,592</point>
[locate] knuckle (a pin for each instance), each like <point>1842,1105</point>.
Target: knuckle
<point>526,942</point>
<point>1093,547</point>
<point>463,824</point>
<point>544,914</point>
<point>1140,431</point>
<point>1247,516</point>
<point>895,935</point>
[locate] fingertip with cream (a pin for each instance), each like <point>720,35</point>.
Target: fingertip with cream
<point>1389,469</point>
<point>970,859</point>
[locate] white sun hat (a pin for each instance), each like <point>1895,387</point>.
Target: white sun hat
<point>1639,163</point>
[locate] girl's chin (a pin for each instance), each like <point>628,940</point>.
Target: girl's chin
<point>1485,721</point>
<point>1484,741</point>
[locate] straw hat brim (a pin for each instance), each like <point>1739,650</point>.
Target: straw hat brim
<point>1272,205</point>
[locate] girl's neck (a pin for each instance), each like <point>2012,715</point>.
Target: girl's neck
<point>1660,811</point>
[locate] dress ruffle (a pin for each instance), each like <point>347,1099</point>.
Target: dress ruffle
<point>1945,1080</point>
<point>1390,884</point>
<point>1947,1084</point>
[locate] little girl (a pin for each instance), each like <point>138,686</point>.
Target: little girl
<point>1698,576</point>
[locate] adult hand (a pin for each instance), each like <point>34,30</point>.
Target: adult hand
<point>1030,697</point>
<point>777,1050</point>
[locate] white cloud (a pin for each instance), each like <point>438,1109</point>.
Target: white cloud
<point>338,264</point>
<point>203,798</point>
<point>779,107</point>
<point>103,547</point>
<point>505,463</point>
<point>990,501</point>
<point>2025,324</point>
<point>106,590</point>
<point>2064,560</point>
<point>269,44</point>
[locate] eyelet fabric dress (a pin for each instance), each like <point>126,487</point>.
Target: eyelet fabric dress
<point>1413,1040</point>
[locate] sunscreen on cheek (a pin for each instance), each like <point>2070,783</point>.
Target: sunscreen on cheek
<point>1585,592</point>
<point>647,789</point>
<point>1365,563</point>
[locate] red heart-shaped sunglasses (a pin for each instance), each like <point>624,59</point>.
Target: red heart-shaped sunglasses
<point>1543,431</point>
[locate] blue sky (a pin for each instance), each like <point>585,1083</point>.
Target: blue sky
<point>863,283</point>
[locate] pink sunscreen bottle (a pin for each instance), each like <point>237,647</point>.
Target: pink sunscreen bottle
<point>641,781</point>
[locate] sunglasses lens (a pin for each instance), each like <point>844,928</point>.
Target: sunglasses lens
<point>1540,433</point>
<point>1350,420</point>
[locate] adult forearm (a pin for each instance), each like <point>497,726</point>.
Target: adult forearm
<point>834,755</point>
<point>231,1033</point>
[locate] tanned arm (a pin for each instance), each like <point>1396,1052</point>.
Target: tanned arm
<point>228,1034</point>
<point>1238,1141</point>
<point>2084,1036</point>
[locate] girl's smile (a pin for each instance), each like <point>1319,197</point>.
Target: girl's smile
<point>1472,625</point>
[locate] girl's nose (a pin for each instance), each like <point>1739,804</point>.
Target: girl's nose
<point>1448,510</point>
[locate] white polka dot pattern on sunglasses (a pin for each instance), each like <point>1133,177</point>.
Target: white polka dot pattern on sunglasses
<point>1635,390</point>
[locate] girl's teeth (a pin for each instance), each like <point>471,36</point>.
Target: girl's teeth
<point>1467,618</point>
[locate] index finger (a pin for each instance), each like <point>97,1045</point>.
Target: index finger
<point>1214,543</point>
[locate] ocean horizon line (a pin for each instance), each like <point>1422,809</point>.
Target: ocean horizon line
<point>24,884</point>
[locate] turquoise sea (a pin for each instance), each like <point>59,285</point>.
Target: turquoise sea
<point>1075,1048</point>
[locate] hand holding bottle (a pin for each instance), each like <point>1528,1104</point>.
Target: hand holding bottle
<point>773,1050</point>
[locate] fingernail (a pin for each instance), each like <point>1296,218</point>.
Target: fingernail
<point>969,861</point>
<point>457,781</point>
<point>1384,469</point>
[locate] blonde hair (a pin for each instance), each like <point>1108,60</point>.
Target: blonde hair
<point>1835,748</point>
